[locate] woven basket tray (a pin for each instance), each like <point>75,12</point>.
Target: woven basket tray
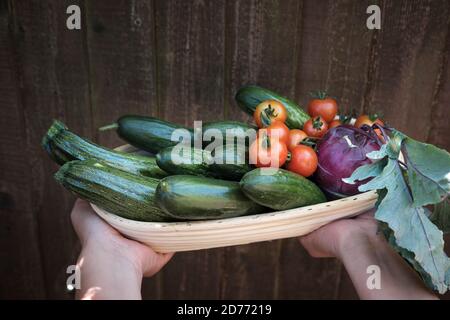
<point>187,236</point>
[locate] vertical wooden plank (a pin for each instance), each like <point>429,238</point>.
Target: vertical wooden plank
<point>261,46</point>
<point>334,55</point>
<point>190,39</point>
<point>439,124</point>
<point>406,78</point>
<point>21,269</point>
<point>335,51</point>
<point>53,85</point>
<point>190,46</point>
<point>263,43</point>
<point>407,61</point>
<point>122,51</point>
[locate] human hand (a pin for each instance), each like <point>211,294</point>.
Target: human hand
<point>339,236</point>
<point>360,247</point>
<point>112,266</point>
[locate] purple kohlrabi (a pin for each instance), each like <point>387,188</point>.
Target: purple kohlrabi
<point>340,152</point>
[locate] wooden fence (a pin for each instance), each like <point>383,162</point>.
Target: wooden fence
<point>183,61</point>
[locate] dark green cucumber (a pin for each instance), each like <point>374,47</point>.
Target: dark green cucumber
<point>63,145</point>
<point>147,133</point>
<point>235,131</point>
<point>198,162</point>
<point>249,97</point>
<point>280,189</point>
<point>197,198</point>
<point>127,195</point>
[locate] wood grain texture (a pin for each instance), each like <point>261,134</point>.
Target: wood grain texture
<point>439,121</point>
<point>53,86</point>
<point>121,53</point>
<point>335,52</point>
<point>184,61</point>
<point>121,50</point>
<point>21,270</point>
<point>190,77</point>
<point>261,34</point>
<point>406,63</point>
<point>334,55</point>
<point>258,34</point>
<point>190,58</point>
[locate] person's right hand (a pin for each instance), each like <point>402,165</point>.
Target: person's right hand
<point>357,243</point>
<point>332,239</point>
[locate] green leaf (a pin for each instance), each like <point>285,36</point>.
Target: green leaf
<point>407,255</point>
<point>441,215</point>
<point>366,171</point>
<point>412,230</point>
<point>378,154</point>
<point>428,171</point>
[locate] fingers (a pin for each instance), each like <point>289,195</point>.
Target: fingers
<point>85,221</point>
<point>321,243</point>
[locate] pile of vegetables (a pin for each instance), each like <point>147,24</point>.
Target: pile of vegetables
<point>294,159</point>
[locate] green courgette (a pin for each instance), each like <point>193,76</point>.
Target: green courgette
<point>232,132</point>
<point>63,145</point>
<point>125,194</point>
<point>280,189</point>
<point>224,163</point>
<point>249,97</point>
<point>148,133</point>
<point>197,198</point>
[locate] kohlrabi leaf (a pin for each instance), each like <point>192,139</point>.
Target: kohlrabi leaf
<point>378,154</point>
<point>428,171</point>
<point>412,230</point>
<point>367,171</point>
<point>407,255</point>
<point>441,215</point>
<point>404,188</point>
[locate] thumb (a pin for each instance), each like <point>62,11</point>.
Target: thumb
<point>154,262</point>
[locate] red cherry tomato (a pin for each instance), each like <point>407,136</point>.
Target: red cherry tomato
<point>266,151</point>
<point>334,123</point>
<point>315,127</point>
<point>278,130</point>
<point>295,137</point>
<point>303,161</point>
<point>323,106</point>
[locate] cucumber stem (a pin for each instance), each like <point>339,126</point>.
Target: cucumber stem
<point>109,127</point>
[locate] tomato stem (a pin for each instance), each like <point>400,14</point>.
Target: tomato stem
<point>317,123</point>
<point>319,94</point>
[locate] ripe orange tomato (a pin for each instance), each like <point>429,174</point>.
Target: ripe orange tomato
<point>295,137</point>
<point>278,130</point>
<point>325,107</point>
<point>268,111</point>
<point>266,151</point>
<point>303,161</point>
<point>369,120</point>
<point>315,127</point>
